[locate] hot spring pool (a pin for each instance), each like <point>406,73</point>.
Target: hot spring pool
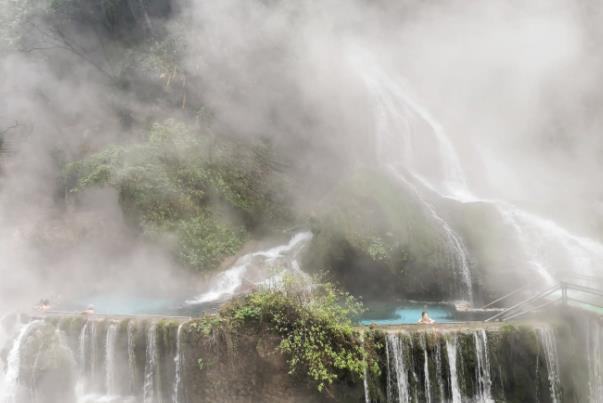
<point>407,313</point>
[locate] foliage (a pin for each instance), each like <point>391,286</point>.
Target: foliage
<point>316,330</point>
<point>209,196</point>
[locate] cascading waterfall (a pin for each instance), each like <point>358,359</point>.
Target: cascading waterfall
<point>455,389</point>
<point>94,354</point>
<point>546,247</point>
<point>110,361</point>
<point>84,347</point>
<point>152,383</point>
<point>484,382</point>
<point>10,384</point>
<point>132,369</point>
<point>273,264</point>
<point>549,344</point>
<point>392,116</point>
<point>427,381</point>
<point>439,372</point>
<point>178,361</point>
<point>397,374</point>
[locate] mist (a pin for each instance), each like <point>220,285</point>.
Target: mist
<point>468,136</point>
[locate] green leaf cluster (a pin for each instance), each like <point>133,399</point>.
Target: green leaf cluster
<point>316,330</point>
<point>209,195</point>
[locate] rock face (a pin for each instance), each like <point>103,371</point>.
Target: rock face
<point>148,360</point>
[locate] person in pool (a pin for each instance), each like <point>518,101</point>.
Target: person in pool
<point>425,319</point>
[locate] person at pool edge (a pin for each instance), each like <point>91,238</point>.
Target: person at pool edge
<point>425,319</point>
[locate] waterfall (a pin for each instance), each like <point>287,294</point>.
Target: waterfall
<point>397,374</point>
<point>423,345</point>
<point>110,361</point>
<point>439,375</point>
<point>549,344</point>
<point>454,380</point>
<point>178,361</point>
<point>546,248</point>
<point>392,128</point>
<point>93,353</point>
<point>132,370</point>
<point>152,384</point>
<point>84,343</point>
<point>595,360</point>
<point>483,366</point>
<point>10,384</point>
<point>265,267</point>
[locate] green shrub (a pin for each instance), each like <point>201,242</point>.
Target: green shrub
<point>208,196</point>
<point>316,331</point>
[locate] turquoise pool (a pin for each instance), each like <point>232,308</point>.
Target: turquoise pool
<point>407,314</point>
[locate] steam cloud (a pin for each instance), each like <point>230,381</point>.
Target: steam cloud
<point>515,84</point>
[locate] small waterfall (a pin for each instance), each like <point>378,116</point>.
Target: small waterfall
<point>454,380</point>
<point>273,263</point>
<point>549,344</point>
<point>484,382</point>
<point>110,359</point>
<point>439,375</point>
<point>93,353</point>
<point>84,347</point>
<point>10,384</point>
<point>178,370</point>
<point>152,382</point>
<point>132,370</point>
<point>423,345</point>
<point>397,373</point>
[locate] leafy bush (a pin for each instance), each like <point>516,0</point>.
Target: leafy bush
<point>208,195</point>
<point>316,330</point>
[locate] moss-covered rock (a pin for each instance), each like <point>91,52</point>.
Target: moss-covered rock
<point>372,227</point>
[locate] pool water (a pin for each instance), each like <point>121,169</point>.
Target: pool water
<point>407,314</point>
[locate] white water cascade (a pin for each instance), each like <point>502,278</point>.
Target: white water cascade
<point>404,128</point>
<point>484,382</point>
<point>152,382</point>
<point>110,360</point>
<point>397,373</point>
<point>423,344</point>
<point>549,344</point>
<point>10,385</point>
<point>454,380</point>
<point>266,267</point>
<point>132,368</point>
<point>178,363</point>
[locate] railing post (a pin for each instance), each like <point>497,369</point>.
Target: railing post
<point>563,293</point>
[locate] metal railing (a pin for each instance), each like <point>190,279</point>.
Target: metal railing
<point>546,298</point>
